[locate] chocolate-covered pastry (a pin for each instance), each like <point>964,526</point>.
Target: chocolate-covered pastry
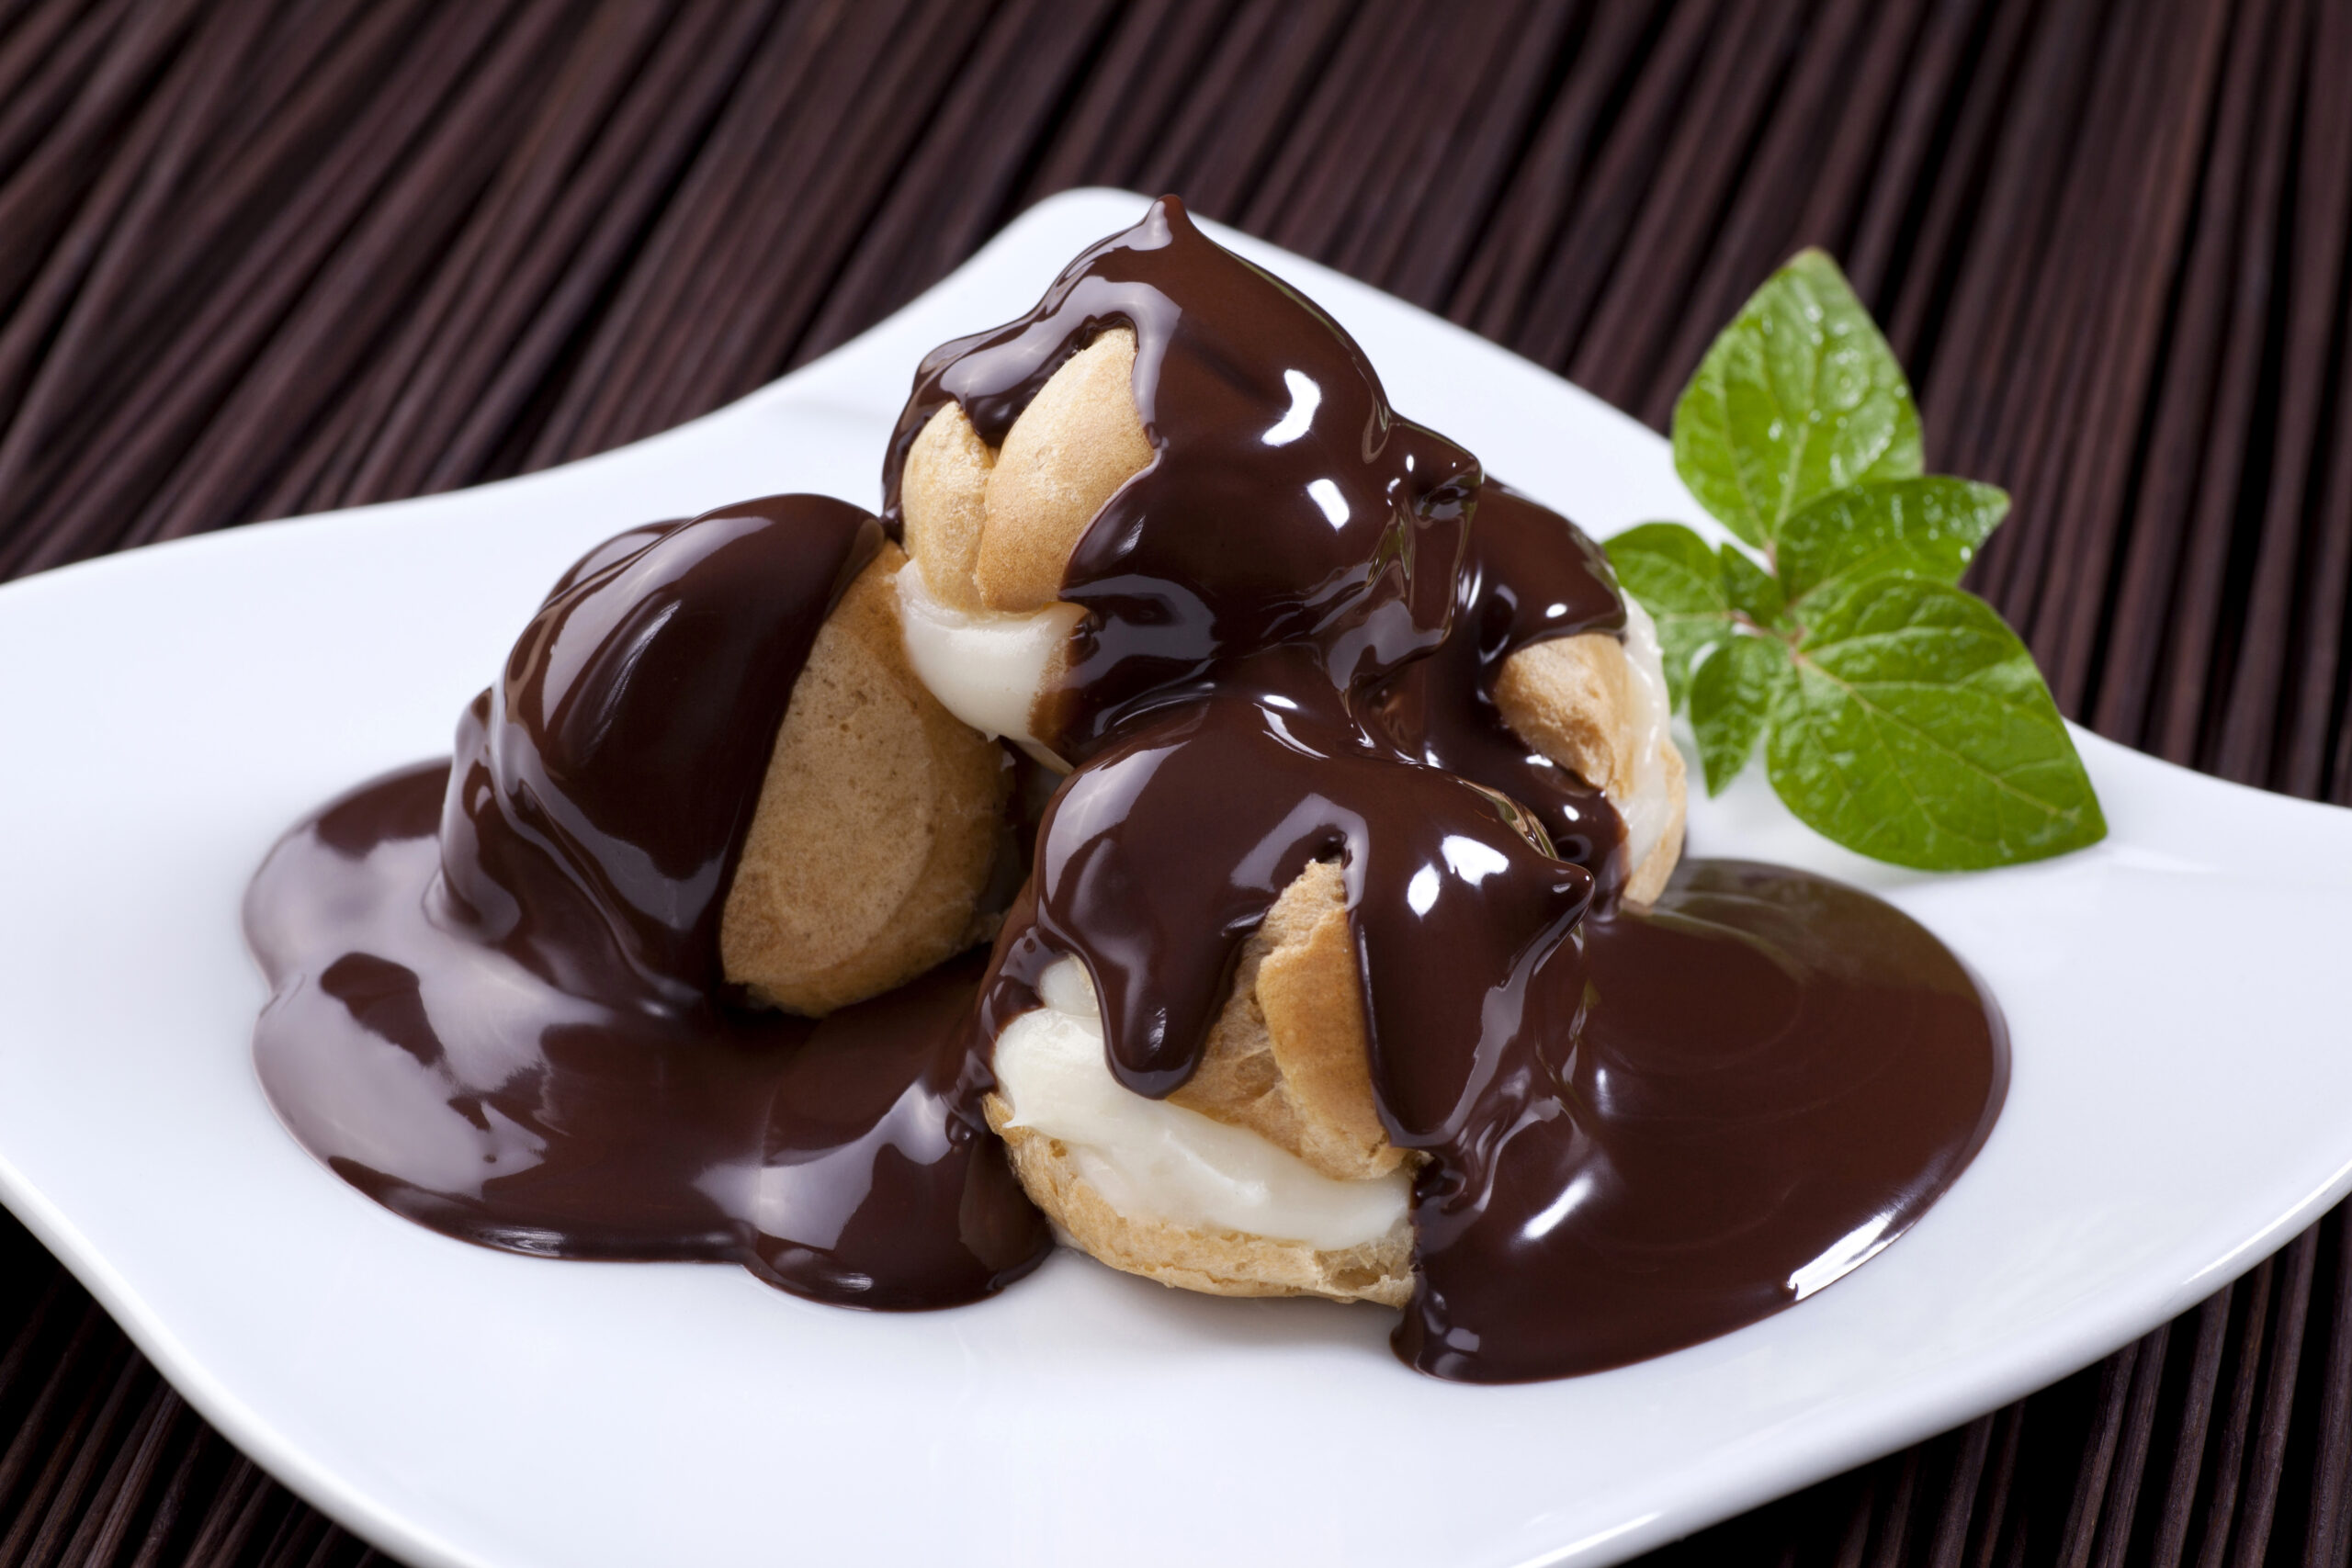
<point>879,823</point>
<point>1313,645</point>
<point>992,532</point>
<point>500,1002</point>
<point>1597,705</point>
<point>1268,1172</point>
<point>1345,945</point>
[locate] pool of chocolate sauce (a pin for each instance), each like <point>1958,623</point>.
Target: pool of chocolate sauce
<point>498,1006</point>
<point>499,1010</point>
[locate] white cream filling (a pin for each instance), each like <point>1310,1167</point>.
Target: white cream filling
<point>985,667</point>
<point>1149,1158</point>
<point>1651,810</point>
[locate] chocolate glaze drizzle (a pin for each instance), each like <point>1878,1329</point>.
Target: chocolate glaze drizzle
<point>499,1007</point>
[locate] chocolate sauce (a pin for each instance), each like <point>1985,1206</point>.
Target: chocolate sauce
<point>1770,1076</point>
<point>498,1004</point>
<point>1527,575</point>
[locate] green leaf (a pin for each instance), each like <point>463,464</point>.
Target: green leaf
<point>1668,567</point>
<point>1918,730</point>
<point>1678,581</point>
<point>1752,591</point>
<point>1730,698</point>
<point>1682,642</point>
<point>1798,397</point>
<point>1921,527</point>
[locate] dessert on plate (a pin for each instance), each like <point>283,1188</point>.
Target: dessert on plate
<point>1204,819</point>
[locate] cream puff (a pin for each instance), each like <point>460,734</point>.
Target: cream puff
<point>878,824</point>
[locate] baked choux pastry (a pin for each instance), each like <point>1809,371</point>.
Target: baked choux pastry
<point>991,533</point>
<point>1268,1174</point>
<point>877,827</point>
<point>1597,705</point>
<point>1269,1171</point>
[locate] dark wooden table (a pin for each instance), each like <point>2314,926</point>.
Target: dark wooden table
<point>266,256</point>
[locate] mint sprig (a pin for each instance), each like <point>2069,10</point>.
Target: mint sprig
<point>1899,714</point>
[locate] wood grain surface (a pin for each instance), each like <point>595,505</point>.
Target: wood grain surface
<point>260,257</point>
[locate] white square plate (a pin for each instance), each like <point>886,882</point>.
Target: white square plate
<point>2181,1104</point>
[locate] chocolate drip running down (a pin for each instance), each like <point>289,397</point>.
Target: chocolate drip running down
<point>498,1000</point>
<point>499,1007</point>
